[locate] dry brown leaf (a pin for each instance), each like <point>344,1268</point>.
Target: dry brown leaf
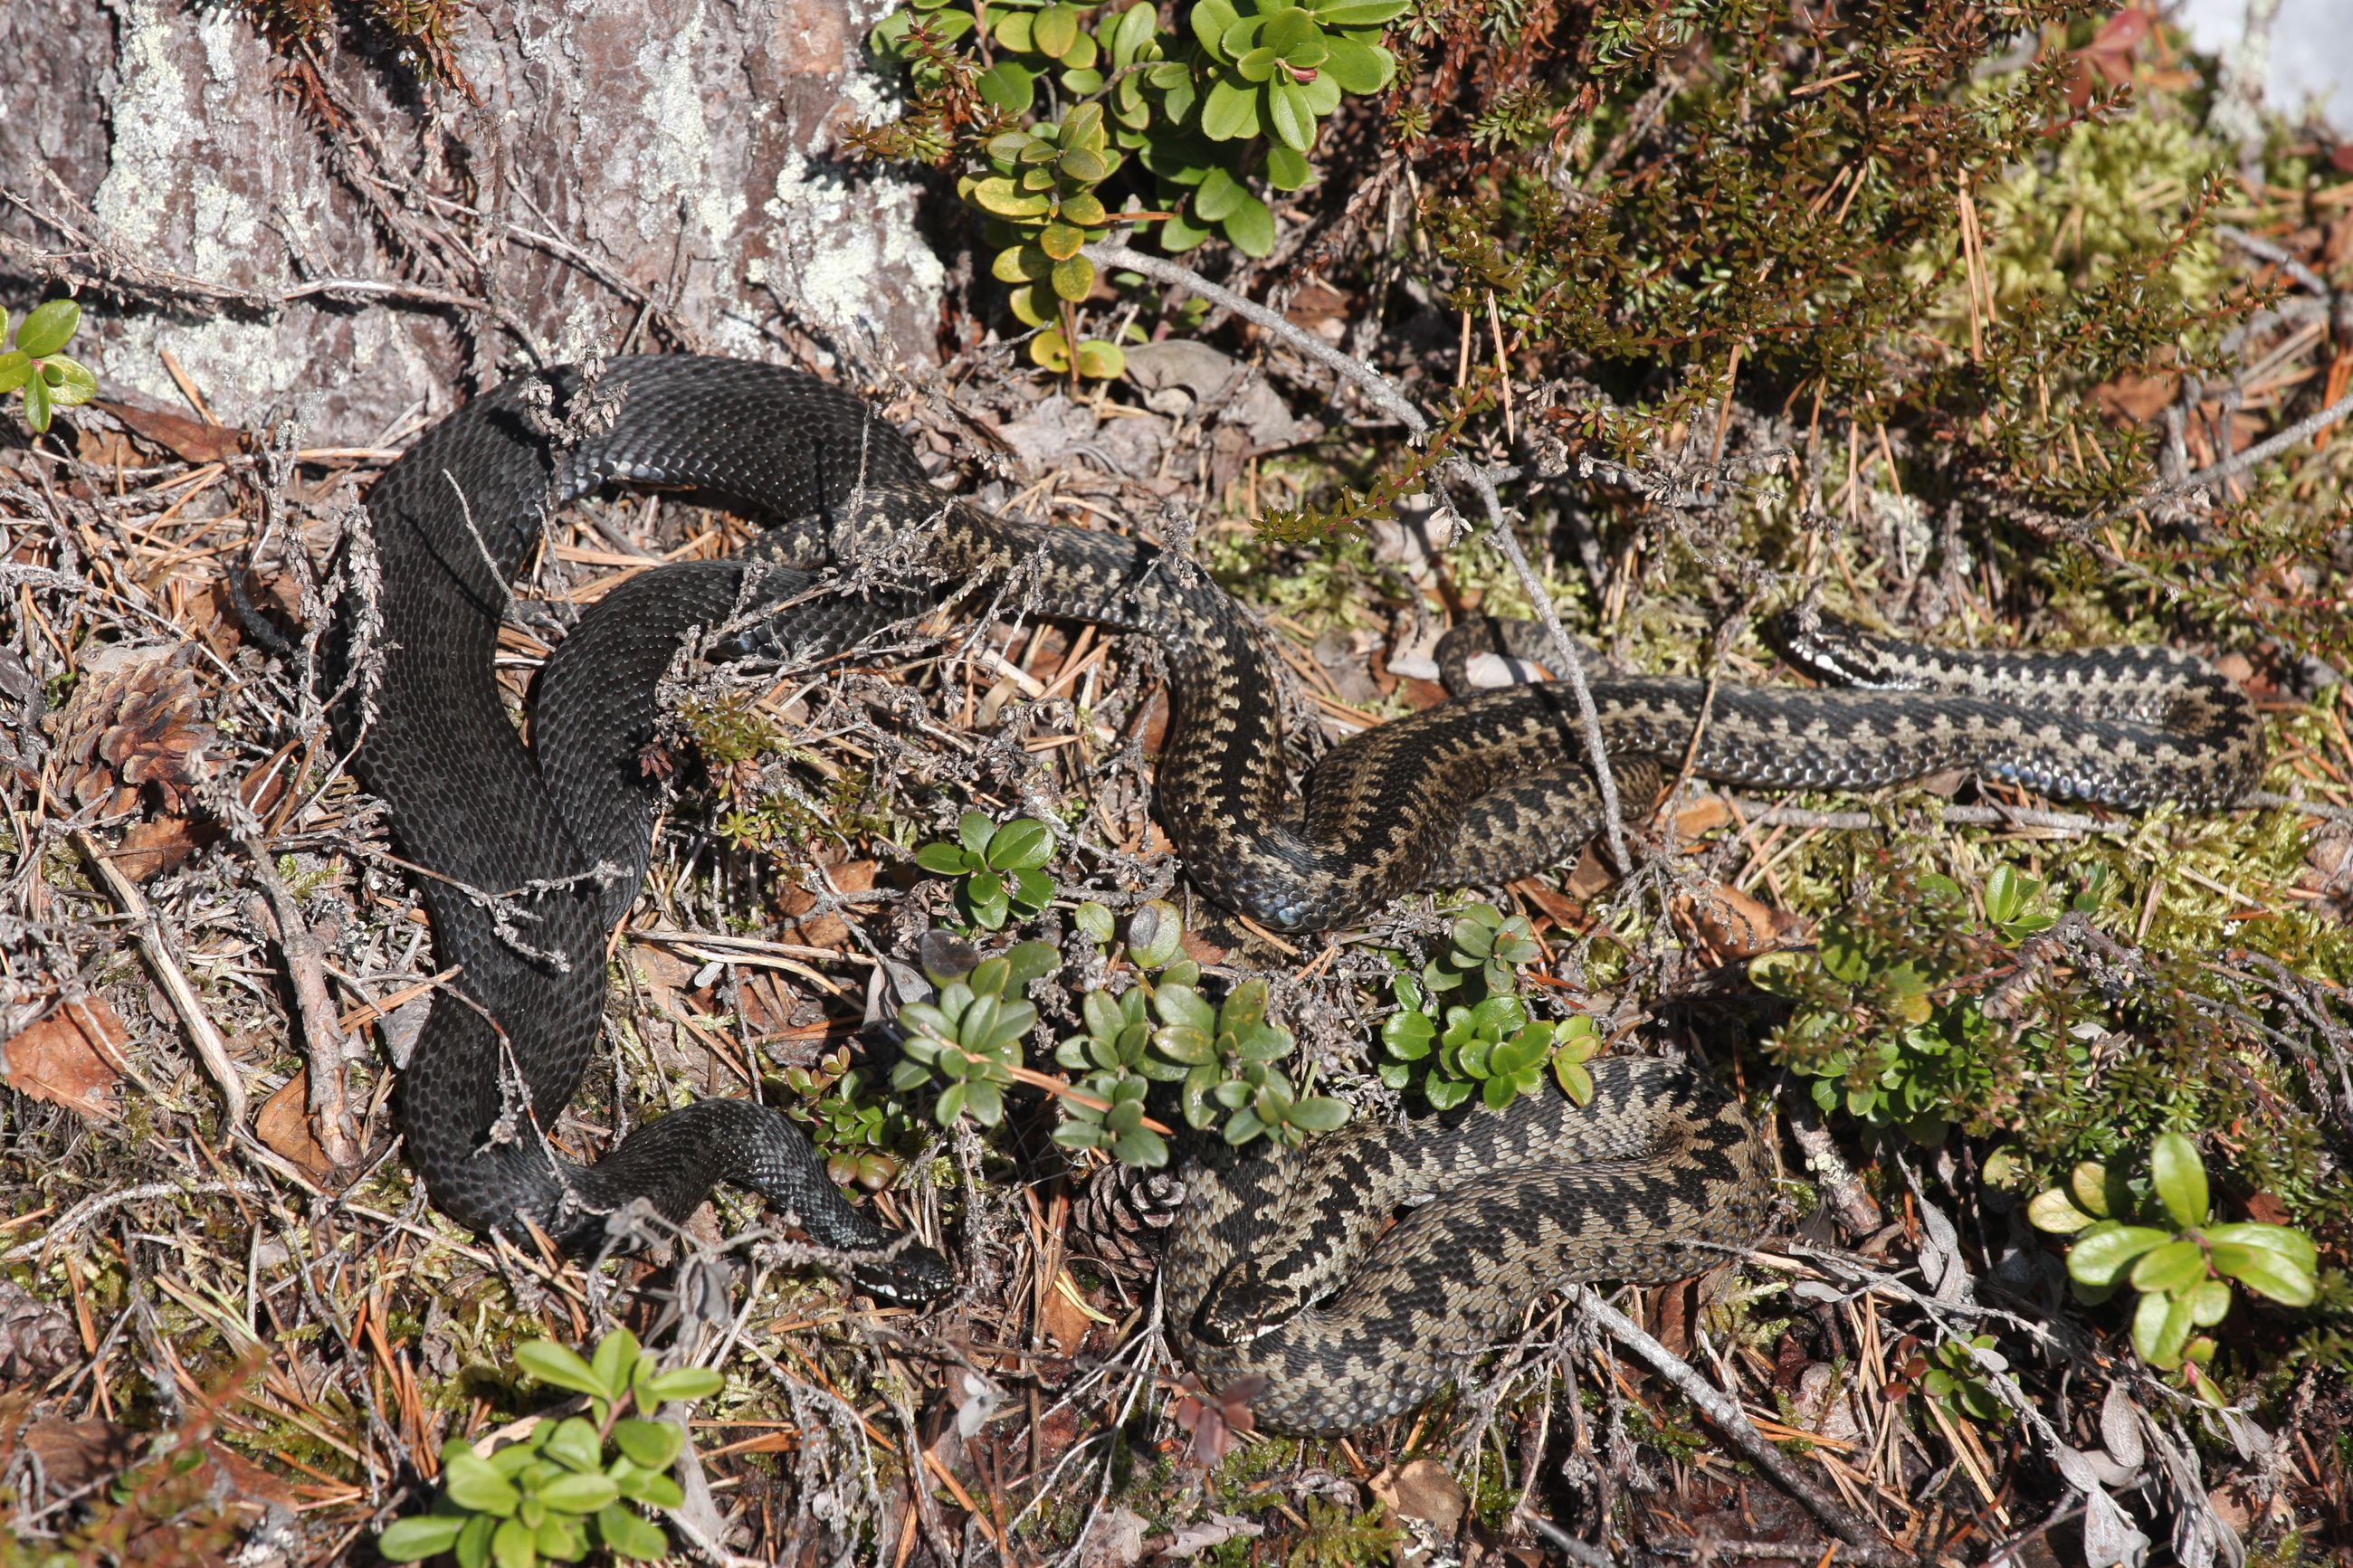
<point>1065,1323</point>
<point>156,844</point>
<point>106,449</point>
<point>1423,1490</point>
<point>190,440</point>
<point>1556,906</point>
<point>77,1454</point>
<point>284,1124</point>
<point>69,1058</point>
<point>1200,949</point>
<point>73,1454</point>
<point>1590,875</point>
<point>2264,1208</point>
<point>1704,815</point>
<point>1671,1312</point>
<point>2108,58</point>
<point>827,931</point>
<point>1728,925</point>
<point>665,975</point>
<point>1322,309</point>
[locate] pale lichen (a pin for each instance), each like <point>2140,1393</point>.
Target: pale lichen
<point>682,157</point>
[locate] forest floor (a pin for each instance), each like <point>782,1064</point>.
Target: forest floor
<point>233,1331</point>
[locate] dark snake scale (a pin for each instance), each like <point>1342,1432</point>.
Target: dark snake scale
<point>1280,1268</point>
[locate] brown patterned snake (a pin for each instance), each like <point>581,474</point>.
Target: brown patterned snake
<point>531,855</point>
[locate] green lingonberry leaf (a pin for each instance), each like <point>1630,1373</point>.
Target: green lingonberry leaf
<point>2101,1252</point>
<point>653,1443</point>
<point>2180,1178</point>
<point>411,1539</point>
<point>561,1366</point>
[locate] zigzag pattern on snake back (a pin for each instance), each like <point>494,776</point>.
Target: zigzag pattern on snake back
<point>529,856</point>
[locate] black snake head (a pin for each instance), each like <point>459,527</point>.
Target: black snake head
<point>913,1277</point>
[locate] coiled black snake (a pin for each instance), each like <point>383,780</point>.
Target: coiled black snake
<point>529,856</point>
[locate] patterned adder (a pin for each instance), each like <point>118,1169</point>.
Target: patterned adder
<point>528,855</point>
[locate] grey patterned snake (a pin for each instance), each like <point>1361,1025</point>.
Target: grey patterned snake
<point>532,853</point>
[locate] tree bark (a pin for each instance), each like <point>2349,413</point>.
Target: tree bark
<point>326,228</point>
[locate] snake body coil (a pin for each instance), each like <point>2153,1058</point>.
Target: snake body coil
<point>531,855</point>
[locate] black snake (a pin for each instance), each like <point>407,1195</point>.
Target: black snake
<point>529,856</point>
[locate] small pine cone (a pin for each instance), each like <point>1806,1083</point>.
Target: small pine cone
<point>134,722</point>
<point>1120,1214</point>
<point>37,1339</point>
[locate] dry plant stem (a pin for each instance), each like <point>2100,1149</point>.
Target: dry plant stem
<point>698,1519</point>
<point>1386,395</point>
<point>1372,383</point>
<point>2277,256</point>
<point>327,1052</point>
<point>2272,800</point>
<point>83,1213</point>
<point>1865,1543</point>
<point>1849,1204</point>
<point>210,1048</point>
<point>2212,476</point>
<point>1062,1089</point>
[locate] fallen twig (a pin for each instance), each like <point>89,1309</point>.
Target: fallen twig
<point>83,1213</point>
<point>210,1048</point>
<point>1866,1543</point>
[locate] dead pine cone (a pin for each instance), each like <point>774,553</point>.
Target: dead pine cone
<point>37,1339</point>
<point>1120,1215</point>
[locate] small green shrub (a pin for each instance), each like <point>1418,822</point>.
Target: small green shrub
<point>1229,102</point>
<point>1223,1057</point>
<point>1958,1381</point>
<point>1115,1055</point>
<point>1483,951</point>
<point>996,869</point>
<point>1889,1024</point>
<point>863,1136</point>
<point>1494,1049</point>
<point>38,368</point>
<point>565,1486</point>
<point>2182,1266</point>
<point>1462,1024</point>
<point>1040,191</point>
<point>970,1035</point>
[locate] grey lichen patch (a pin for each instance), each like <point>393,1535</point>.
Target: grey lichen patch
<point>152,126</point>
<point>831,239</point>
<point>164,199</point>
<point>683,160</point>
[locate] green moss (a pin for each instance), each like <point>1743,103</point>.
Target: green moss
<point>2117,189</point>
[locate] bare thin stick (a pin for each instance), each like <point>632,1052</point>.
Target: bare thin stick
<point>1728,1418</point>
<point>202,1033</point>
<point>1367,380</point>
<point>1386,395</point>
<point>2278,256</point>
<point>83,1213</point>
<point>327,1051</point>
<point>2270,800</point>
<point>2265,451</point>
<point>2213,476</point>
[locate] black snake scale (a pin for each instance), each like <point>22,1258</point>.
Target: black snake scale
<point>529,856</point>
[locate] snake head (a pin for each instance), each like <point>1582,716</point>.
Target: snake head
<point>1248,1300</point>
<point>913,1277</point>
<point>1836,650</point>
